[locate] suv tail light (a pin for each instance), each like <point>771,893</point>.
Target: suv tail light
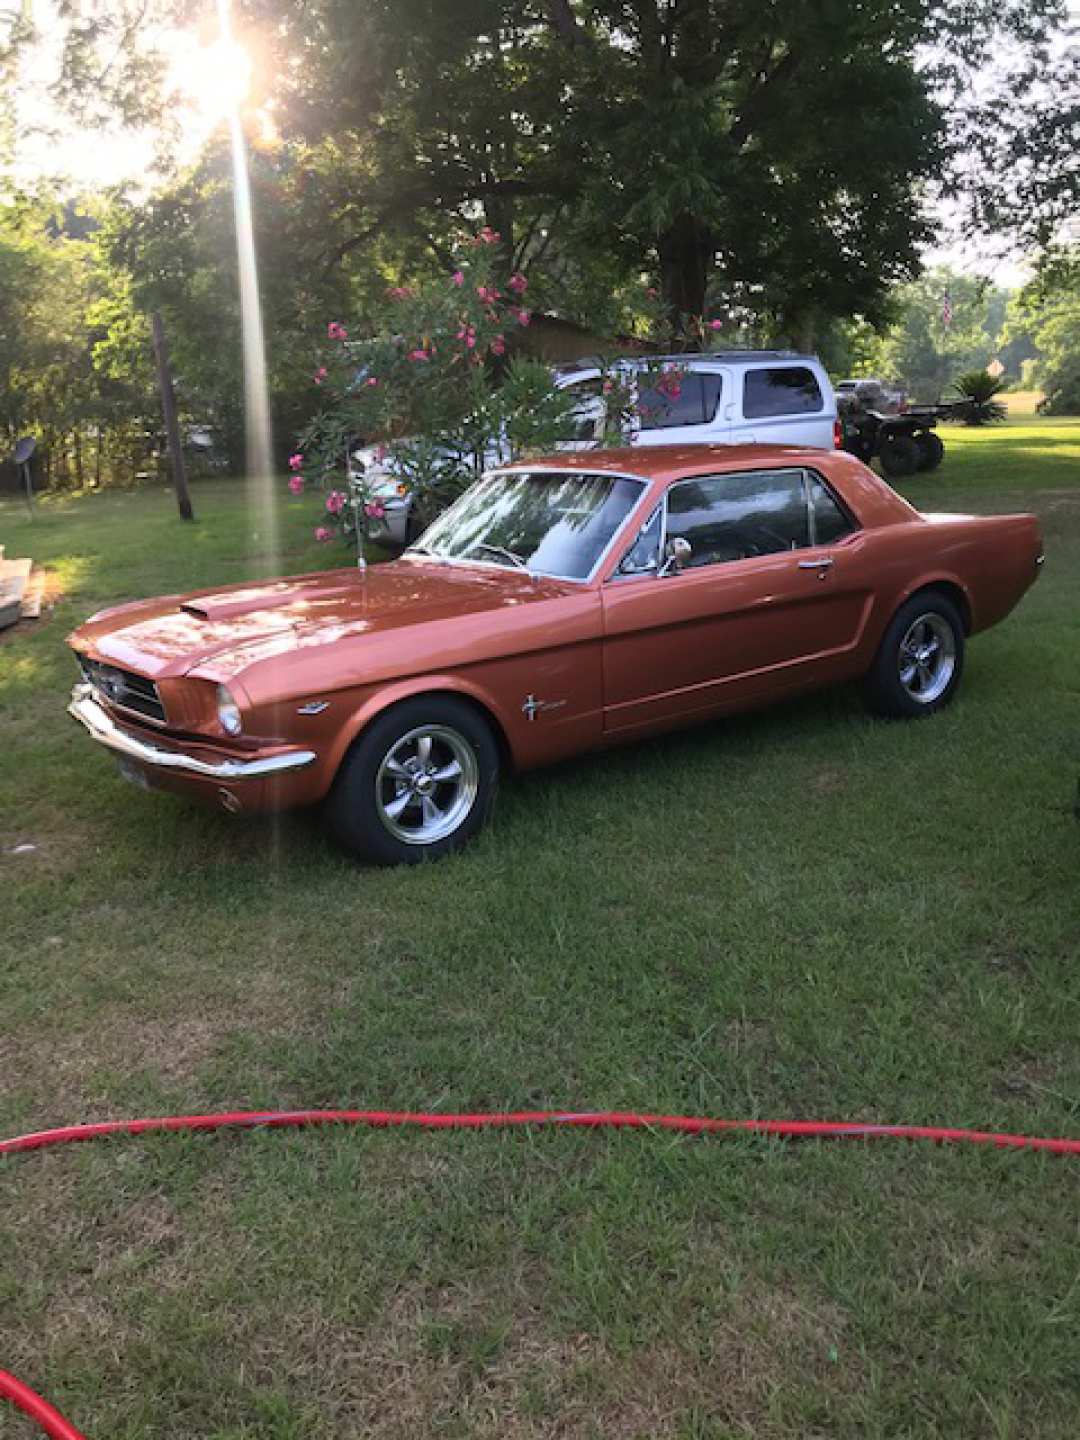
<point>837,434</point>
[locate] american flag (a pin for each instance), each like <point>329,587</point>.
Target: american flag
<point>946,310</point>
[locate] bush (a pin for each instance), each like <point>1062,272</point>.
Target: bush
<point>1061,387</point>
<point>424,387</point>
<point>980,387</point>
<point>437,394</point>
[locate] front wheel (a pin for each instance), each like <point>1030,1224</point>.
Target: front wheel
<point>920,660</point>
<point>417,784</point>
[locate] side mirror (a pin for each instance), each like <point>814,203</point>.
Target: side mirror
<point>677,552</point>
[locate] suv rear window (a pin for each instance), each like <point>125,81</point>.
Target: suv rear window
<point>695,404</point>
<point>791,390</point>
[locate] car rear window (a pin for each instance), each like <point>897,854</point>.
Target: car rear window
<point>786,390</point>
<point>694,402</point>
<point>830,522</point>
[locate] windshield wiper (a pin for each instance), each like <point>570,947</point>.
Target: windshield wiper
<point>502,550</point>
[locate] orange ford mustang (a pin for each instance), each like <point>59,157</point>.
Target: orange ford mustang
<point>559,605</point>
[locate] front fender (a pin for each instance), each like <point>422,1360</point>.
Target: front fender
<point>387,695</point>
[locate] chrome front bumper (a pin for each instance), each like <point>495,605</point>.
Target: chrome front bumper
<point>91,714</point>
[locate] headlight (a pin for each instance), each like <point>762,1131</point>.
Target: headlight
<point>228,712</point>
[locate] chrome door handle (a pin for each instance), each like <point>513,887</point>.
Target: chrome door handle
<point>825,564</point>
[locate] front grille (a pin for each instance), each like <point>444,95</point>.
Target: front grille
<point>124,688</point>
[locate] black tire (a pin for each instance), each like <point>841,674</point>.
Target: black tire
<point>931,450</point>
<point>899,456</point>
<point>860,446</point>
<point>902,688</point>
<point>386,765</point>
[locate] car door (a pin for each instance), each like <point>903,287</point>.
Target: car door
<point>774,597</point>
<point>783,404</point>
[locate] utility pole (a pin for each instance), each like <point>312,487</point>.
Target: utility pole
<point>172,425</point>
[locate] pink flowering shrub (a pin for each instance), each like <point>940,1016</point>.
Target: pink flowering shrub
<point>428,386</point>
<point>435,384</point>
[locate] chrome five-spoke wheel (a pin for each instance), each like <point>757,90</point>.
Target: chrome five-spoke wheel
<point>426,784</point>
<point>920,659</point>
<point>418,782</point>
<point>927,658</point>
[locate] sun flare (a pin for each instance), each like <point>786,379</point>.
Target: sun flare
<point>211,81</point>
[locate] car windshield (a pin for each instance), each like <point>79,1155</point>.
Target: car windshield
<point>553,522</point>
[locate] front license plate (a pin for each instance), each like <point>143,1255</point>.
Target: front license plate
<point>131,772</point>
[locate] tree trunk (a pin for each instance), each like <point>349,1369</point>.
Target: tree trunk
<point>687,254</point>
<point>97,457</point>
<point>172,424</point>
<point>77,437</point>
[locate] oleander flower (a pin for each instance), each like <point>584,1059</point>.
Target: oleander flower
<point>458,278</point>
<point>335,502</point>
<point>498,345</point>
<point>336,332</point>
<point>296,462</point>
<point>375,509</point>
<point>320,375</point>
<point>518,284</point>
<point>523,317</point>
<point>323,533</point>
<point>296,484</point>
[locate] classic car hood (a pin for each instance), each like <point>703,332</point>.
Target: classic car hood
<point>170,636</point>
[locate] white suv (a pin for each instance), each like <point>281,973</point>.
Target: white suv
<point>730,397</point>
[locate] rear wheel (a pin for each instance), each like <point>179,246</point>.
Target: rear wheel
<point>931,450</point>
<point>920,660</point>
<point>417,784</point>
<point>899,455</point>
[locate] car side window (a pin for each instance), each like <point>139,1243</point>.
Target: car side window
<point>781,390</point>
<point>643,557</point>
<point>686,399</point>
<point>735,517</point>
<point>830,522</point>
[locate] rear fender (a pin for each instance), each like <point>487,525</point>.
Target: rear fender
<point>952,585</point>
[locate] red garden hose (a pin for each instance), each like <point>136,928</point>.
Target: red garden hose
<point>54,1424</point>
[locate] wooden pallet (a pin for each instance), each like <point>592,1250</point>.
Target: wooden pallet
<point>14,579</point>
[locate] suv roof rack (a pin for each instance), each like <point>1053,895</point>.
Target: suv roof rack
<point>591,362</point>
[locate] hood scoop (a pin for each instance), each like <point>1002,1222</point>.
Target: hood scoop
<point>301,600</point>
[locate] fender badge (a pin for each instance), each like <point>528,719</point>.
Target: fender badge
<point>313,707</point>
<point>531,707</point>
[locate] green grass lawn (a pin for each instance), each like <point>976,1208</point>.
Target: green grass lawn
<point>801,913</point>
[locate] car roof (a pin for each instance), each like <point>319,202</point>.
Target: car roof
<point>703,358</point>
<point>674,462</point>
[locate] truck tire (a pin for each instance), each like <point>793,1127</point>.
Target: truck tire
<point>899,455</point>
<point>931,450</point>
